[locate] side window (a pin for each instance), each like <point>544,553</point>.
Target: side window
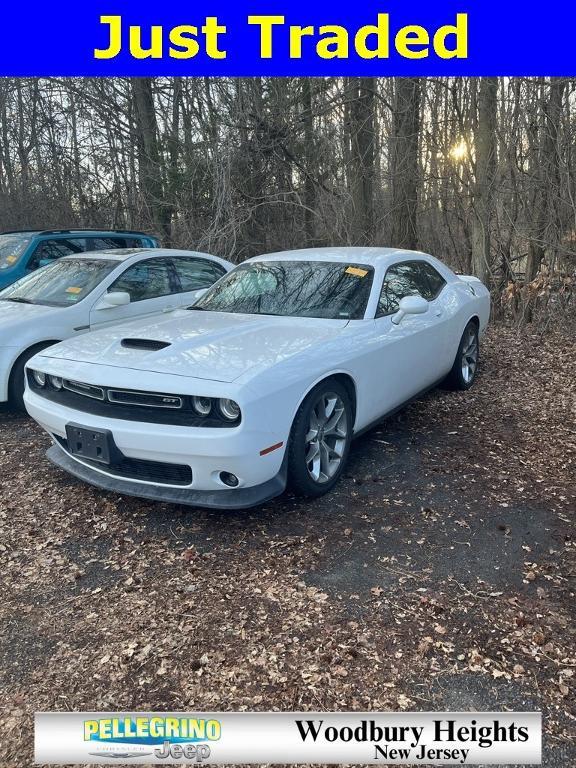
<point>105,243</point>
<point>145,280</point>
<point>49,250</point>
<point>194,274</point>
<point>401,280</point>
<point>435,280</point>
<point>136,242</point>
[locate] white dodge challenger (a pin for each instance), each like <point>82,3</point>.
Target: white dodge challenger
<point>264,381</point>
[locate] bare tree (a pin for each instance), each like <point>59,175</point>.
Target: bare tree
<point>481,173</point>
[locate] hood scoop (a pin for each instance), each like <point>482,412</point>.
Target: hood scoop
<point>149,345</point>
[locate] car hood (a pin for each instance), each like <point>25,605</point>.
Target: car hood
<point>215,346</point>
<point>13,313</point>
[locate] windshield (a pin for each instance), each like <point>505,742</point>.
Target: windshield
<point>60,284</point>
<point>292,288</point>
<point>11,248</point>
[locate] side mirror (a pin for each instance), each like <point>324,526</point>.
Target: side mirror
<point>410,305</point>
<point>45,262</point>
<point>113,299</point>
<point>199,293</point>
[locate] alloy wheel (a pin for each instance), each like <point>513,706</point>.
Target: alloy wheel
<point>469,359</point>
<point>326,437</point>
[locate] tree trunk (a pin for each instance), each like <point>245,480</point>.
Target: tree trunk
<point>547,179</point>
<point>404,162</point>
<point>150,167</point>
<point>309,188</point>
<point>361,93</point>
<point>485,141</point>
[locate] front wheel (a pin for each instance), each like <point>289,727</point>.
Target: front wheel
<point>320,439</point>
<point>465,365</point>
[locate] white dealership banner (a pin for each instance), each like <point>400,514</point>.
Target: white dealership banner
<point>448,738</point>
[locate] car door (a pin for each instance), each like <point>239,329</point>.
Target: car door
<point>193,276</point>
<point>151,287</point>
<point>406,358</point>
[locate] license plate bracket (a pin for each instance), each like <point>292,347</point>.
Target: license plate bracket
<point>93,444</point>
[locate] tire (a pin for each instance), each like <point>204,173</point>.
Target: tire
<point>463,373</point>
<point>16,383</point>
<point>315,472</point>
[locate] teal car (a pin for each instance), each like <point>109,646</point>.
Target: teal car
<point>21,252</point>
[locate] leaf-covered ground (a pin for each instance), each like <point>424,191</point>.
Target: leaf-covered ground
<point>438,576</point>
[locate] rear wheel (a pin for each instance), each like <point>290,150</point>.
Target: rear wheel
<point>320,439</point>
<point>17,382</point>
<point>465,365</point>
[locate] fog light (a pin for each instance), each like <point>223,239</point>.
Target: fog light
<point>55,381</point>
<point>229,479</point>
<point>39,378</point>
<point>202,405</point>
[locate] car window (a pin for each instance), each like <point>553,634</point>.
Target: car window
<point>406,279</point>
<point>145,280</point>
<point>61,283</point>
<point>12,247</point>
<point>136,242</point>
<point>49,250</point>
<point>435,280</point>
<point>194,274</point>
<point>106,243</point>
<point>315,288</point>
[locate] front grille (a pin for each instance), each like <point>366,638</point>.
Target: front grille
<point>130,405</point>
<point>87,390</point>
<point>159,472</point>
<point>148,399</point>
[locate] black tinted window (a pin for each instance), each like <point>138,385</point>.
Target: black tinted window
<point>435,280</point>
<point>401,280</point>
<point>106,243</point>
<point>135,242</point>
<point>55,249</point>
<point>194,274</point>
<point>145,280</point>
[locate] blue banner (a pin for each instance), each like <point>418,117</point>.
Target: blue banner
<point>287,37</point>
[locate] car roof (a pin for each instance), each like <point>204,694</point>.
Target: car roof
<point>78,231</point>
<point>122,254</point>
<point>356,254</point>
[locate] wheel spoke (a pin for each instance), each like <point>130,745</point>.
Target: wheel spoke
<point>324,461</point>
<point>332,425</point>
<point>311,435</point>
<point>329,405</point>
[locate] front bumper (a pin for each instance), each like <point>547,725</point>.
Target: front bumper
<point>207,452</point>
<point>234,498</point>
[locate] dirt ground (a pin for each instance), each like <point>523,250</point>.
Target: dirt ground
<point>439,575</point>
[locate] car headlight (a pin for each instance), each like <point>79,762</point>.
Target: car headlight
<point>55,381</point>
<point>39,377</point>
<point>202,405</point>
<point>229,409</point>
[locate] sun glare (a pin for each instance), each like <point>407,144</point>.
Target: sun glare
<point>459,151</point>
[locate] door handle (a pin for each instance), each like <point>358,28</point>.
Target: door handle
<point>438,312</point>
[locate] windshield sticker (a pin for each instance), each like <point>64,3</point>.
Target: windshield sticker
<point>11,259</point>
<point>356,271</point>
<point>73,289</point>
